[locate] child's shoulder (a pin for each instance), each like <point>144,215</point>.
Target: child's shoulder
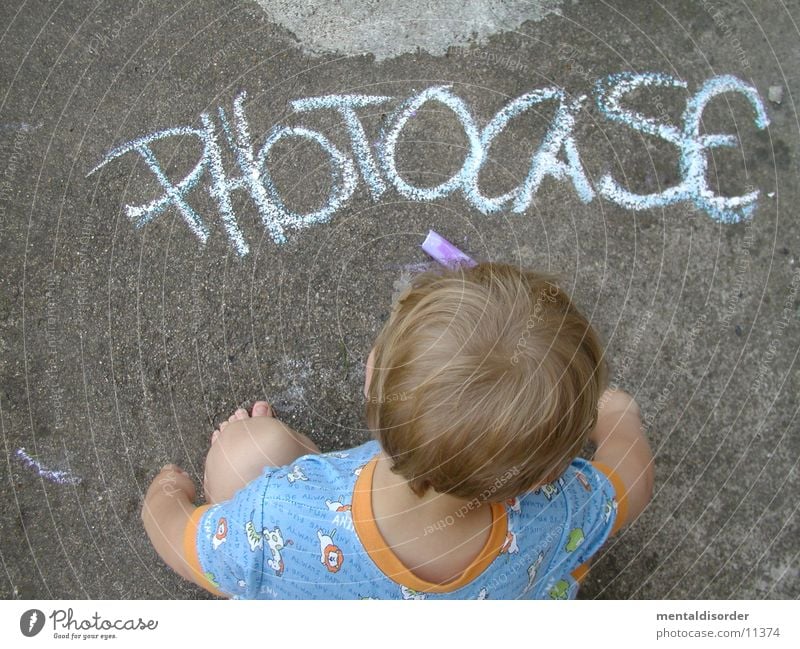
<point>362,453</point>
<point>585,490</point>
<point>589,475</point>
<point>317,472</point>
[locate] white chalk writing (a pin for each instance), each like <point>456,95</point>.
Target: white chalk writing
<point>557,156</point>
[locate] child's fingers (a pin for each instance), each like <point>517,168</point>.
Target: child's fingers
<point>170,481</point>
<point>174,475</point>
<point>168,468</point>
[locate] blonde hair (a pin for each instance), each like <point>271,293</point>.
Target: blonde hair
<point>485,381</point>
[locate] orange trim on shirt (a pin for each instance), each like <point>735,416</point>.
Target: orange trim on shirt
<point>190,551</point>
<point>580,572</point>
<point>621,494</point>
<point>391,565</point>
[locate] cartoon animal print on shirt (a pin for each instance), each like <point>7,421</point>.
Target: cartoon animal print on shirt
<point>609,506</point>
<point>254,539</point>
<point>410,593</point>
<point>575,539</point>
<point>331,556</point>
<point>551,489</point>
<point>337,505</point>
<point>276,544</point>
<point>221,535</point>
<point>510,544</point>
<point>560,590</point>
<point>294,475</point>
<point>532,570</point>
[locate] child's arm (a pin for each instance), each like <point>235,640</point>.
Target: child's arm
<point>622,446</point>
<point>167,508</point>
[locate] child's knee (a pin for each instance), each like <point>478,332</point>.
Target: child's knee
<point>241,440</point>
<point>243,449</point>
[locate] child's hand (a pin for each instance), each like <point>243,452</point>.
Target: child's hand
<point>170,481</point>
<point>167,510</point>
<point>623,447</point>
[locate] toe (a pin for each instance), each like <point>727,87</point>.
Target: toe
<point>241,413</point>
<point>262,409</point>
<point>214,436</point>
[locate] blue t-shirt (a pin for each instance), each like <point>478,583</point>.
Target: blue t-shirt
<point>306,531</point>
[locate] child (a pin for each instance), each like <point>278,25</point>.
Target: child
<point>481,389</point>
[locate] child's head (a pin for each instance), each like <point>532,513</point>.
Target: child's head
<point>485,381</point>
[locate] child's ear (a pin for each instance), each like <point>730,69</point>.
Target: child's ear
<point>368,377</point>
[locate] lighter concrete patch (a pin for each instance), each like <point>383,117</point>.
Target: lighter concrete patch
<point>389,28</point>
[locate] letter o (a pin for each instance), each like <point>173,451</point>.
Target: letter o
<point>343,176</point>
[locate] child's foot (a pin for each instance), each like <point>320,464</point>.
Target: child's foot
<point>260,409</point>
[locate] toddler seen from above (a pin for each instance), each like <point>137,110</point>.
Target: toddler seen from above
<point>481,391</point>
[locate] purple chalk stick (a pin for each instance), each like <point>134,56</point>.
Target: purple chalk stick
<point>445,252</point>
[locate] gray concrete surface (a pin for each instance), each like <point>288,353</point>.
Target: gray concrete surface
<point>122,346</point>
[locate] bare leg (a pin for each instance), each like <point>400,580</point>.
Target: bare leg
<point>244,445</point>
